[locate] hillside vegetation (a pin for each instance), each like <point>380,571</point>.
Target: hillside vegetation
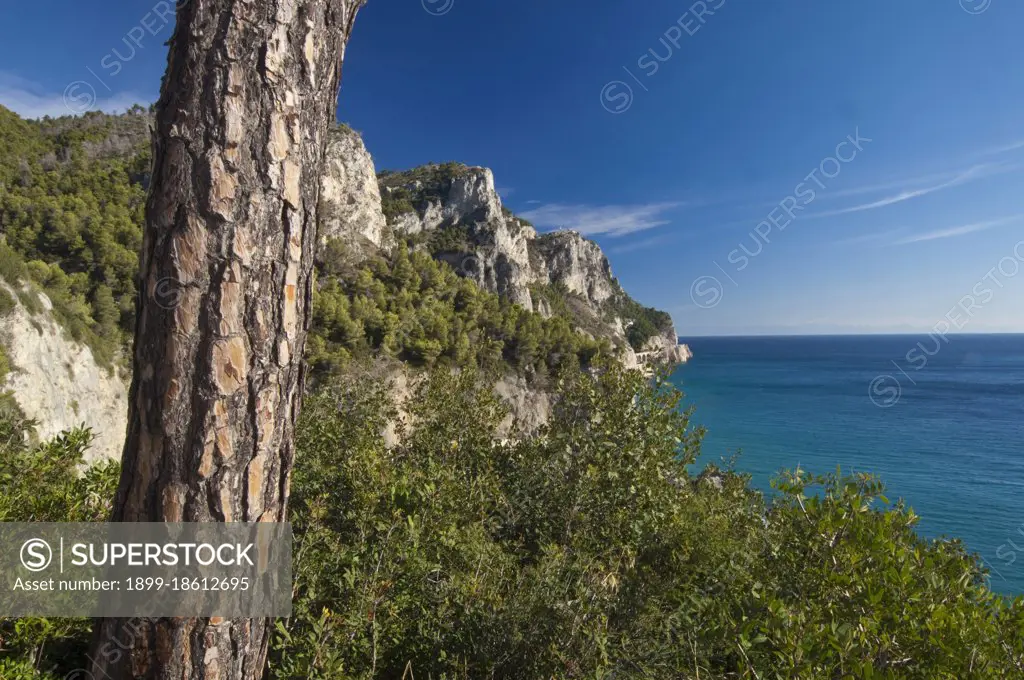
<point>71,207</point>
<point>72,199</point>
<point>413,308</point>
<point>586,549</point>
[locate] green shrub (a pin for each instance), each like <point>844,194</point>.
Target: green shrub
<point>586,550</point>
<point>7,302</point>
<point>589,551</point>
<point>42,483</point>
<point>20,669</point>
<point>396,203</point>
<point>5,364</point>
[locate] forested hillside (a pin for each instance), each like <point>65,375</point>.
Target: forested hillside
<point>585,550</point>
<point>599,545</point>
<point>72,194</point>
<point>413,308</point>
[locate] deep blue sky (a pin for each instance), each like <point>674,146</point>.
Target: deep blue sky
<point>754,98</point>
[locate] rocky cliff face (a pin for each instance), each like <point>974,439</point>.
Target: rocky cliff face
<point>454,211</point>
<point>567,259</point>
<point>666,346</point>
<point>457,213</point>
<point>444,196</point>
<point>58,382</point>
<point>350,205</point>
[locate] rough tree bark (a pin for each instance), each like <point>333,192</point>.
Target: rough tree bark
<point>225,290</point>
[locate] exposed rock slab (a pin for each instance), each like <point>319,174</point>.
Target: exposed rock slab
<point>455,212</point>
<point>350,204</point>
<point>58,382</point>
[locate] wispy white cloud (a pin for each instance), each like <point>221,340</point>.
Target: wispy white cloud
<point>957,231</point>
<point>639,244</point>
<point>971,174</point>
<point>533,202</point>
<point>912,185</point>
<point>29,100</point>
<point>906,184</point>
<point>873,237</point>
<point>612,220</point>
<point>899,236</point>
<point>1006,148</point>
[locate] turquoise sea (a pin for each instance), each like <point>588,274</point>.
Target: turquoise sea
<point>941,421</point>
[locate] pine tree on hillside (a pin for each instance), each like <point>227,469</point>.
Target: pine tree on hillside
<point>226,289</point>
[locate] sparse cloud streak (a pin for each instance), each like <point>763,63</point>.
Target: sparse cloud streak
<point>957,231</point>
<point>971,174</point>
<point>638,244</point>
<point>1013,146</point>
<point>904,184</point>
<point>880,237</point>
<point>611,220</point>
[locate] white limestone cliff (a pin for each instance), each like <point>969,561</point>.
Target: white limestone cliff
<point>57,381</point>
<point>505,255</point>
<point>350,205</point>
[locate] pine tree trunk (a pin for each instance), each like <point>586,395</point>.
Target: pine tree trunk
<point>225,293</point>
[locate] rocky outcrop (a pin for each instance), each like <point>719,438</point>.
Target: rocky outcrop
<point>579,265</point>
<point>350,204</point>
<point>485,244</point>
<point>664,347</point>
<point>441,196</point>
<point>529,408</point>
<point>679,353</point>
<point>58,382</point>
<point>454,211</point>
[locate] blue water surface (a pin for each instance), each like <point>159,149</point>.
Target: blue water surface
<point>941,421</point>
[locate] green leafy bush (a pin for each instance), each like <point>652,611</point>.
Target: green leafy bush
<point>396,203</point>
<point>43,483</point>
<point>7,302</point>
<point>585,551</point>
<point>588,551</point>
